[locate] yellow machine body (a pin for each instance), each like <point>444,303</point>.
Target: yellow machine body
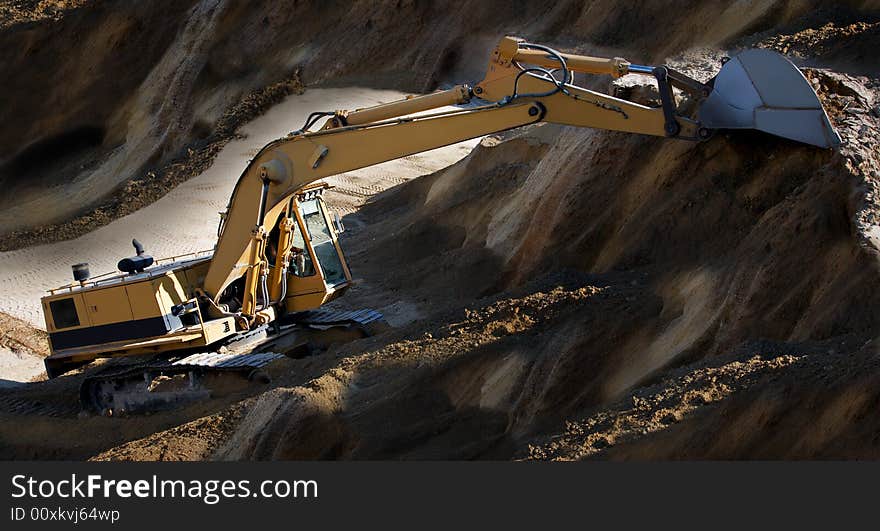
<point>157,310</point>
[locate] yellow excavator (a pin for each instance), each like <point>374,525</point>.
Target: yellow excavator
<point>277,259</point>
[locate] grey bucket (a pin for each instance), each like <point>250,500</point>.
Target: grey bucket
<point>760,89</point>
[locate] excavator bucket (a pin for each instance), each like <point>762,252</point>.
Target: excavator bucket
<point>760,89</point>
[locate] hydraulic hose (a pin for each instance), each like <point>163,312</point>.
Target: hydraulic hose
<point>283,285</point>
<point>559,86</point>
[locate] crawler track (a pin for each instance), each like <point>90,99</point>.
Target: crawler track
<point>163,383</point>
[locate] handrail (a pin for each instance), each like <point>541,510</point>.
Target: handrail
<point>98,280</point>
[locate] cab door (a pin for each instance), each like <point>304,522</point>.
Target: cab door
<point>318,272</point>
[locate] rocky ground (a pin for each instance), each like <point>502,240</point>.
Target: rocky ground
<point>572,294</point>
<point>14,12</point>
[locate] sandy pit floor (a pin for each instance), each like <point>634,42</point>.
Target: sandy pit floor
<point>18,367</point>
<point>185,220</point>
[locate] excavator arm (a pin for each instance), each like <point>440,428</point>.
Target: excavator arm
<point>511,95</point>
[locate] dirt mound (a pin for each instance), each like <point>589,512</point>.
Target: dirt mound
<point>193,441</point>
<point>653,409</point>
<point>848,46</point>
<point>791,402</point>
<point>441,394</point>
<point>768,401</point>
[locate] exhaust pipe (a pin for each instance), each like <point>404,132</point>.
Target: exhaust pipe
<point>80,272</point>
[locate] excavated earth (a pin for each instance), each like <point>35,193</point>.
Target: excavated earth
<point>562,293</point>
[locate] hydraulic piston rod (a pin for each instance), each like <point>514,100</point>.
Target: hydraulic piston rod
<point>455,95</point>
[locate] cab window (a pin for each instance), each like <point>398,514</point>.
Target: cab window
<point>322,241</point>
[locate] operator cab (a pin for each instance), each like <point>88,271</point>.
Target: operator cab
<point>318,270</point>
<point>322,241</point>
<point>154,307</point>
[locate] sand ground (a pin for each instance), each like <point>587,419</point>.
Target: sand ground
<point>18,367</point>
